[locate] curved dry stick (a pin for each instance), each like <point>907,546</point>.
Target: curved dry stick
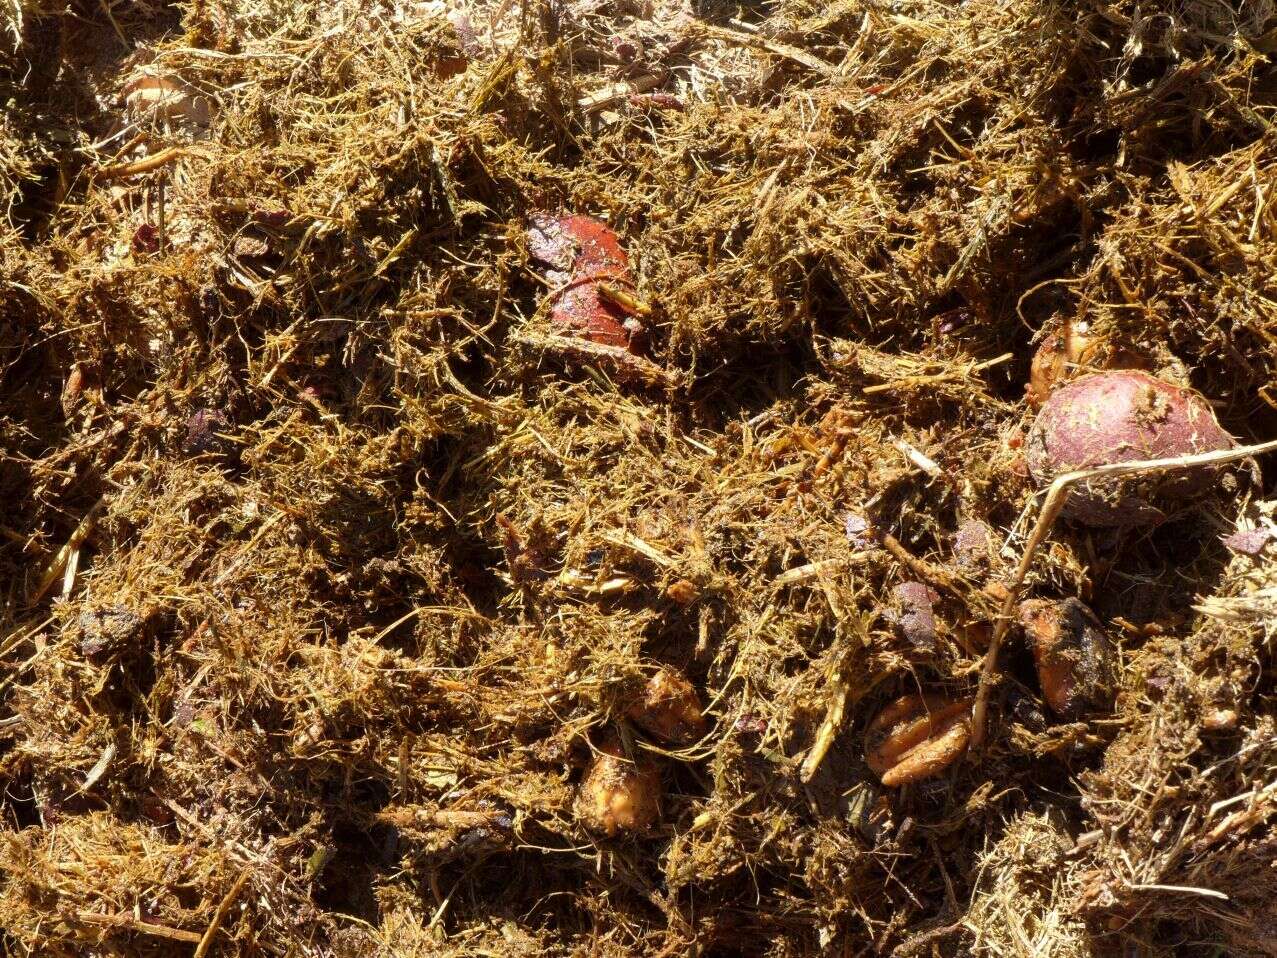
<point>144,165</point>
<point>1056,495</point>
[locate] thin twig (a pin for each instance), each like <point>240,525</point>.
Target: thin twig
<point>1182,889</point>
<point>914,382</point>
<point>936,575</point>
<point>59,563</point>
<point>814,570</point>
<point>129,923</point>
<point>618,361</point>
<point>144,165</point>
<point>627,301</point>
<point>207,941</point>
<point>918,457</point>
<point>801,57</point>
<point>617,92</point>
<point>1056,496</point>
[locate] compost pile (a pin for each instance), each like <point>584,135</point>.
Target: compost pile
<point>478,478</point>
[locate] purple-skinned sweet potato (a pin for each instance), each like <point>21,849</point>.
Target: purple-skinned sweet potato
<point>1124,416</point>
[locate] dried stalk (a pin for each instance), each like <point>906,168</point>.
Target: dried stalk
<point>129,923</point>
<point>144,165</point>
<point>206,942</point>
<point>63,556</point>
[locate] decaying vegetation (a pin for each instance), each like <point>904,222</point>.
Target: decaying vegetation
<point>332,564</point>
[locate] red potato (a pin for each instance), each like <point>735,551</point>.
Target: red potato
<point>1123,416</point>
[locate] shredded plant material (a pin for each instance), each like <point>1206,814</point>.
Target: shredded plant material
<point>408,407</point>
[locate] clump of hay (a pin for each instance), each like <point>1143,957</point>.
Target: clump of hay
<point>328,567</point>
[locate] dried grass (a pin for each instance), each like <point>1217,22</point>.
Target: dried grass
<point>326,567</point>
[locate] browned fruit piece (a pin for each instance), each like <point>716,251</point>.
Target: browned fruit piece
<point>682,591</point>
<point>917,737</point>
<point>617,794</point>
<point>1220,720</point>
<point>670,709</point>
<point>1123,417</point>
<point>1074,656</point>
<point>1066,353</point>
<point>73,389</point>
<point>915,616</point>
<point>1061,352</point>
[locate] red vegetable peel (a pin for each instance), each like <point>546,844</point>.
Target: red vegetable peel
<point>581,256</point>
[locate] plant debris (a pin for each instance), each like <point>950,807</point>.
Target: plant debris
<point>391,393</point>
